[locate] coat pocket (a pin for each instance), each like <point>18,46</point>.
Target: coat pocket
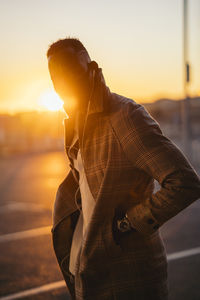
<point>113,238</point>
<point>112,248</point>
<point>116,242</point>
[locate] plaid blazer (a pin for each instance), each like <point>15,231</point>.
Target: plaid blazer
<point>123,151</point>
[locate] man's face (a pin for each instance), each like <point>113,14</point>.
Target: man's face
<point>67,74</point>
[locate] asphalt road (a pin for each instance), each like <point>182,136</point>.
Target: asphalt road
<point>28,266</point>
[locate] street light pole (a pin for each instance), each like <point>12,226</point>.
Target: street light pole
<point>185,104</point>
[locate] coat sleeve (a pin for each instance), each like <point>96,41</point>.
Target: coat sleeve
<point>151,151</point>
<point>64,203</point>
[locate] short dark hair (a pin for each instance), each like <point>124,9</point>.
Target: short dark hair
<point>74,43</point>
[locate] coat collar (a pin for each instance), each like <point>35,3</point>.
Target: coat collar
<point>99,104</point>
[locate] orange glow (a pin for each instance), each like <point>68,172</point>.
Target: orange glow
<point>49,100</point>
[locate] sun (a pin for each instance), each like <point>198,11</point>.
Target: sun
<point>49,100</point>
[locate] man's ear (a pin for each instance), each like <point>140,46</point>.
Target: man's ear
<point>93,65</point>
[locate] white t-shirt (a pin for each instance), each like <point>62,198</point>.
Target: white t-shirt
<point>87,202</point>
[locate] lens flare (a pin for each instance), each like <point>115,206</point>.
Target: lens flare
<point>49,100</point>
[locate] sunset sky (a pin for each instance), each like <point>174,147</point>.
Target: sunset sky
<point>137,43</point>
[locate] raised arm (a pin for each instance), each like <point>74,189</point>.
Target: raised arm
<point>150,150</point>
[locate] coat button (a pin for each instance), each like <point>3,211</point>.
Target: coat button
<point>156,226</point>
<point>150,221</point>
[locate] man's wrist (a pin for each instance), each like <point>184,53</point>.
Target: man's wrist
<point>132,227</point>
<point>124,224</point>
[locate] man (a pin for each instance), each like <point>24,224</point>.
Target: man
<point>121,149</point>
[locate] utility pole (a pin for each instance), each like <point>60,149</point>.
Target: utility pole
<point>185,104</point>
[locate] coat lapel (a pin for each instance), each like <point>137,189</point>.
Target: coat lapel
<point>68,132</point>
<point>98,104</point>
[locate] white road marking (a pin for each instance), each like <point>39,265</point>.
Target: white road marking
<point>37,290</point>
<point>25,234</point>
<point>184,253</point>
<point>21,206</point>
<point>61,284</point>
